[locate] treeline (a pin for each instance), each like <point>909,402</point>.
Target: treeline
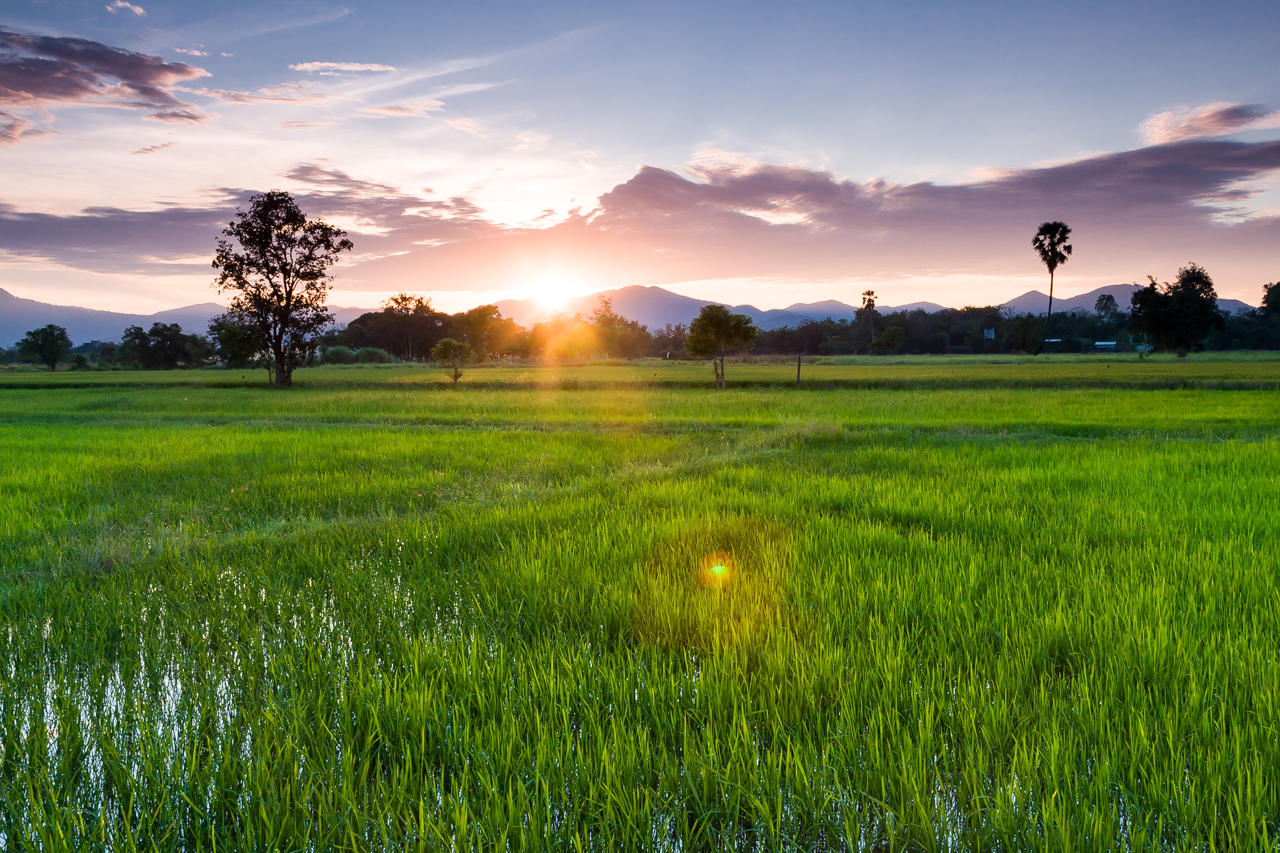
<point>408,328</point>
<point>1179,317</point>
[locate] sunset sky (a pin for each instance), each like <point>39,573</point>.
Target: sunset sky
<point>768,153</point>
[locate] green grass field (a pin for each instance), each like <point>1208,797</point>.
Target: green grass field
<point>915,604</point>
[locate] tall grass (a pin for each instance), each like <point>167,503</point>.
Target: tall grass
<point>374,618</point>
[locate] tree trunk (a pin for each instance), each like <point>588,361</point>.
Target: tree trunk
<point>799,356</point>
<point>1048,317</point>
<point>284,378</point>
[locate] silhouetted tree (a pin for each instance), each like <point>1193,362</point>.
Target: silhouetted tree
<point>452,354</point>
<point>669,340</point>
<point>163,347</point>
<point>407,326</point>
<point>1051,244</point>
<point>1178,316</point>
<point>1105,306</point>
<point>1271,299</point>
<point>48,345</point>
<point>618,336</point>
<point>716,331</point>
<point>280,276</point>
<point>869,308</point>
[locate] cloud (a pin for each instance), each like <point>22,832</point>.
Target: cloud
<point>412,109</point>
<point>13,128</point>
<point>192,52</point>
<point>1133,212</point>
<point>151,149</point>
<point>466,125</point>
<point>178,116</point>
<point>273,95</point>
<point>339,66</point>
<point>1216,119</point>
<point>37,72</point>
<point>120,5</point>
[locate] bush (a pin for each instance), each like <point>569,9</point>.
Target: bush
<point>373,355</point>
<point>338,355</point>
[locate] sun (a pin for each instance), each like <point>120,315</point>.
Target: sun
<point>552,292</point>
<point>552,295</point>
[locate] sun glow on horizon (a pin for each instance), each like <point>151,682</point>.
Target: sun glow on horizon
<point>553,290</point>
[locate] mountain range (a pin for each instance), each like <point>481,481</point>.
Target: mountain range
<point>18,316</point>
<point>651,306</point>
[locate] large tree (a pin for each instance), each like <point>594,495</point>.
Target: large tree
<point>277,261</point>
<point>717,331</point>
<point>1178,316</point>
<point>47,345</point>
<point>1051,245</point>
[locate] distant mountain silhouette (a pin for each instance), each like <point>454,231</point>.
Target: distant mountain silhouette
<point>1035,302</point>
<point>652,306</point>
<point>655,307</point>
<point>18,316</point>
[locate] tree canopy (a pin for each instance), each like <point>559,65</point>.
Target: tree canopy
<point>48,345</point>
<point>277,261</point>
<point>452,354</point>
<point>1179,316</point>
<point>717,331</point>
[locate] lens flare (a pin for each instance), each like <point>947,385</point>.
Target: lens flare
<point>716,570</point>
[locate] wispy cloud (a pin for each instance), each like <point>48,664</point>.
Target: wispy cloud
<point>191,52</point>
<point>340,66</point>
<point>151,149</point>
<point>466,125</point>
<point>411,109</point>
<point>121,6</point>
<point>13,128</point>
<point>1218,119</point>
<point>274,95</point>
<point>37,72</point>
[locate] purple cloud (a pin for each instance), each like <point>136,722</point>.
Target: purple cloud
<point>1216,119</point>
<point>1134,212</point>
<point>40,71</point>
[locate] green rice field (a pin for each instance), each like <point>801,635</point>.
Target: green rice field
<point>939,604</point>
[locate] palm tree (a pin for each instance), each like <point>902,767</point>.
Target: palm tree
<point>869,305</point>
<point>1051,243</point>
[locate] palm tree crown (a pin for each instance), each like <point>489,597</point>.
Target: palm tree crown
<point>1051,242</point>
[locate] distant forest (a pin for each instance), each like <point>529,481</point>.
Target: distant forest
<point>407,328</point>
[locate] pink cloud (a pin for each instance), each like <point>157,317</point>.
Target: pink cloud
<point>1133,212</point>
<point>121,5</point>
<point>1216,119</point>
<point>340,66</point>
<point>466,125</point>
<point>13,128</point>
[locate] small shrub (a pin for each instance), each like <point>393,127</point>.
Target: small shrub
<point>373,355</point>
<point>338,355</point>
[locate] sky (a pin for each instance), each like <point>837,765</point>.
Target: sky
<point>759,153</point>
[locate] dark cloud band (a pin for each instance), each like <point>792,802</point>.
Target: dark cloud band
<point>42,71</point>
<point>1135,211</point>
